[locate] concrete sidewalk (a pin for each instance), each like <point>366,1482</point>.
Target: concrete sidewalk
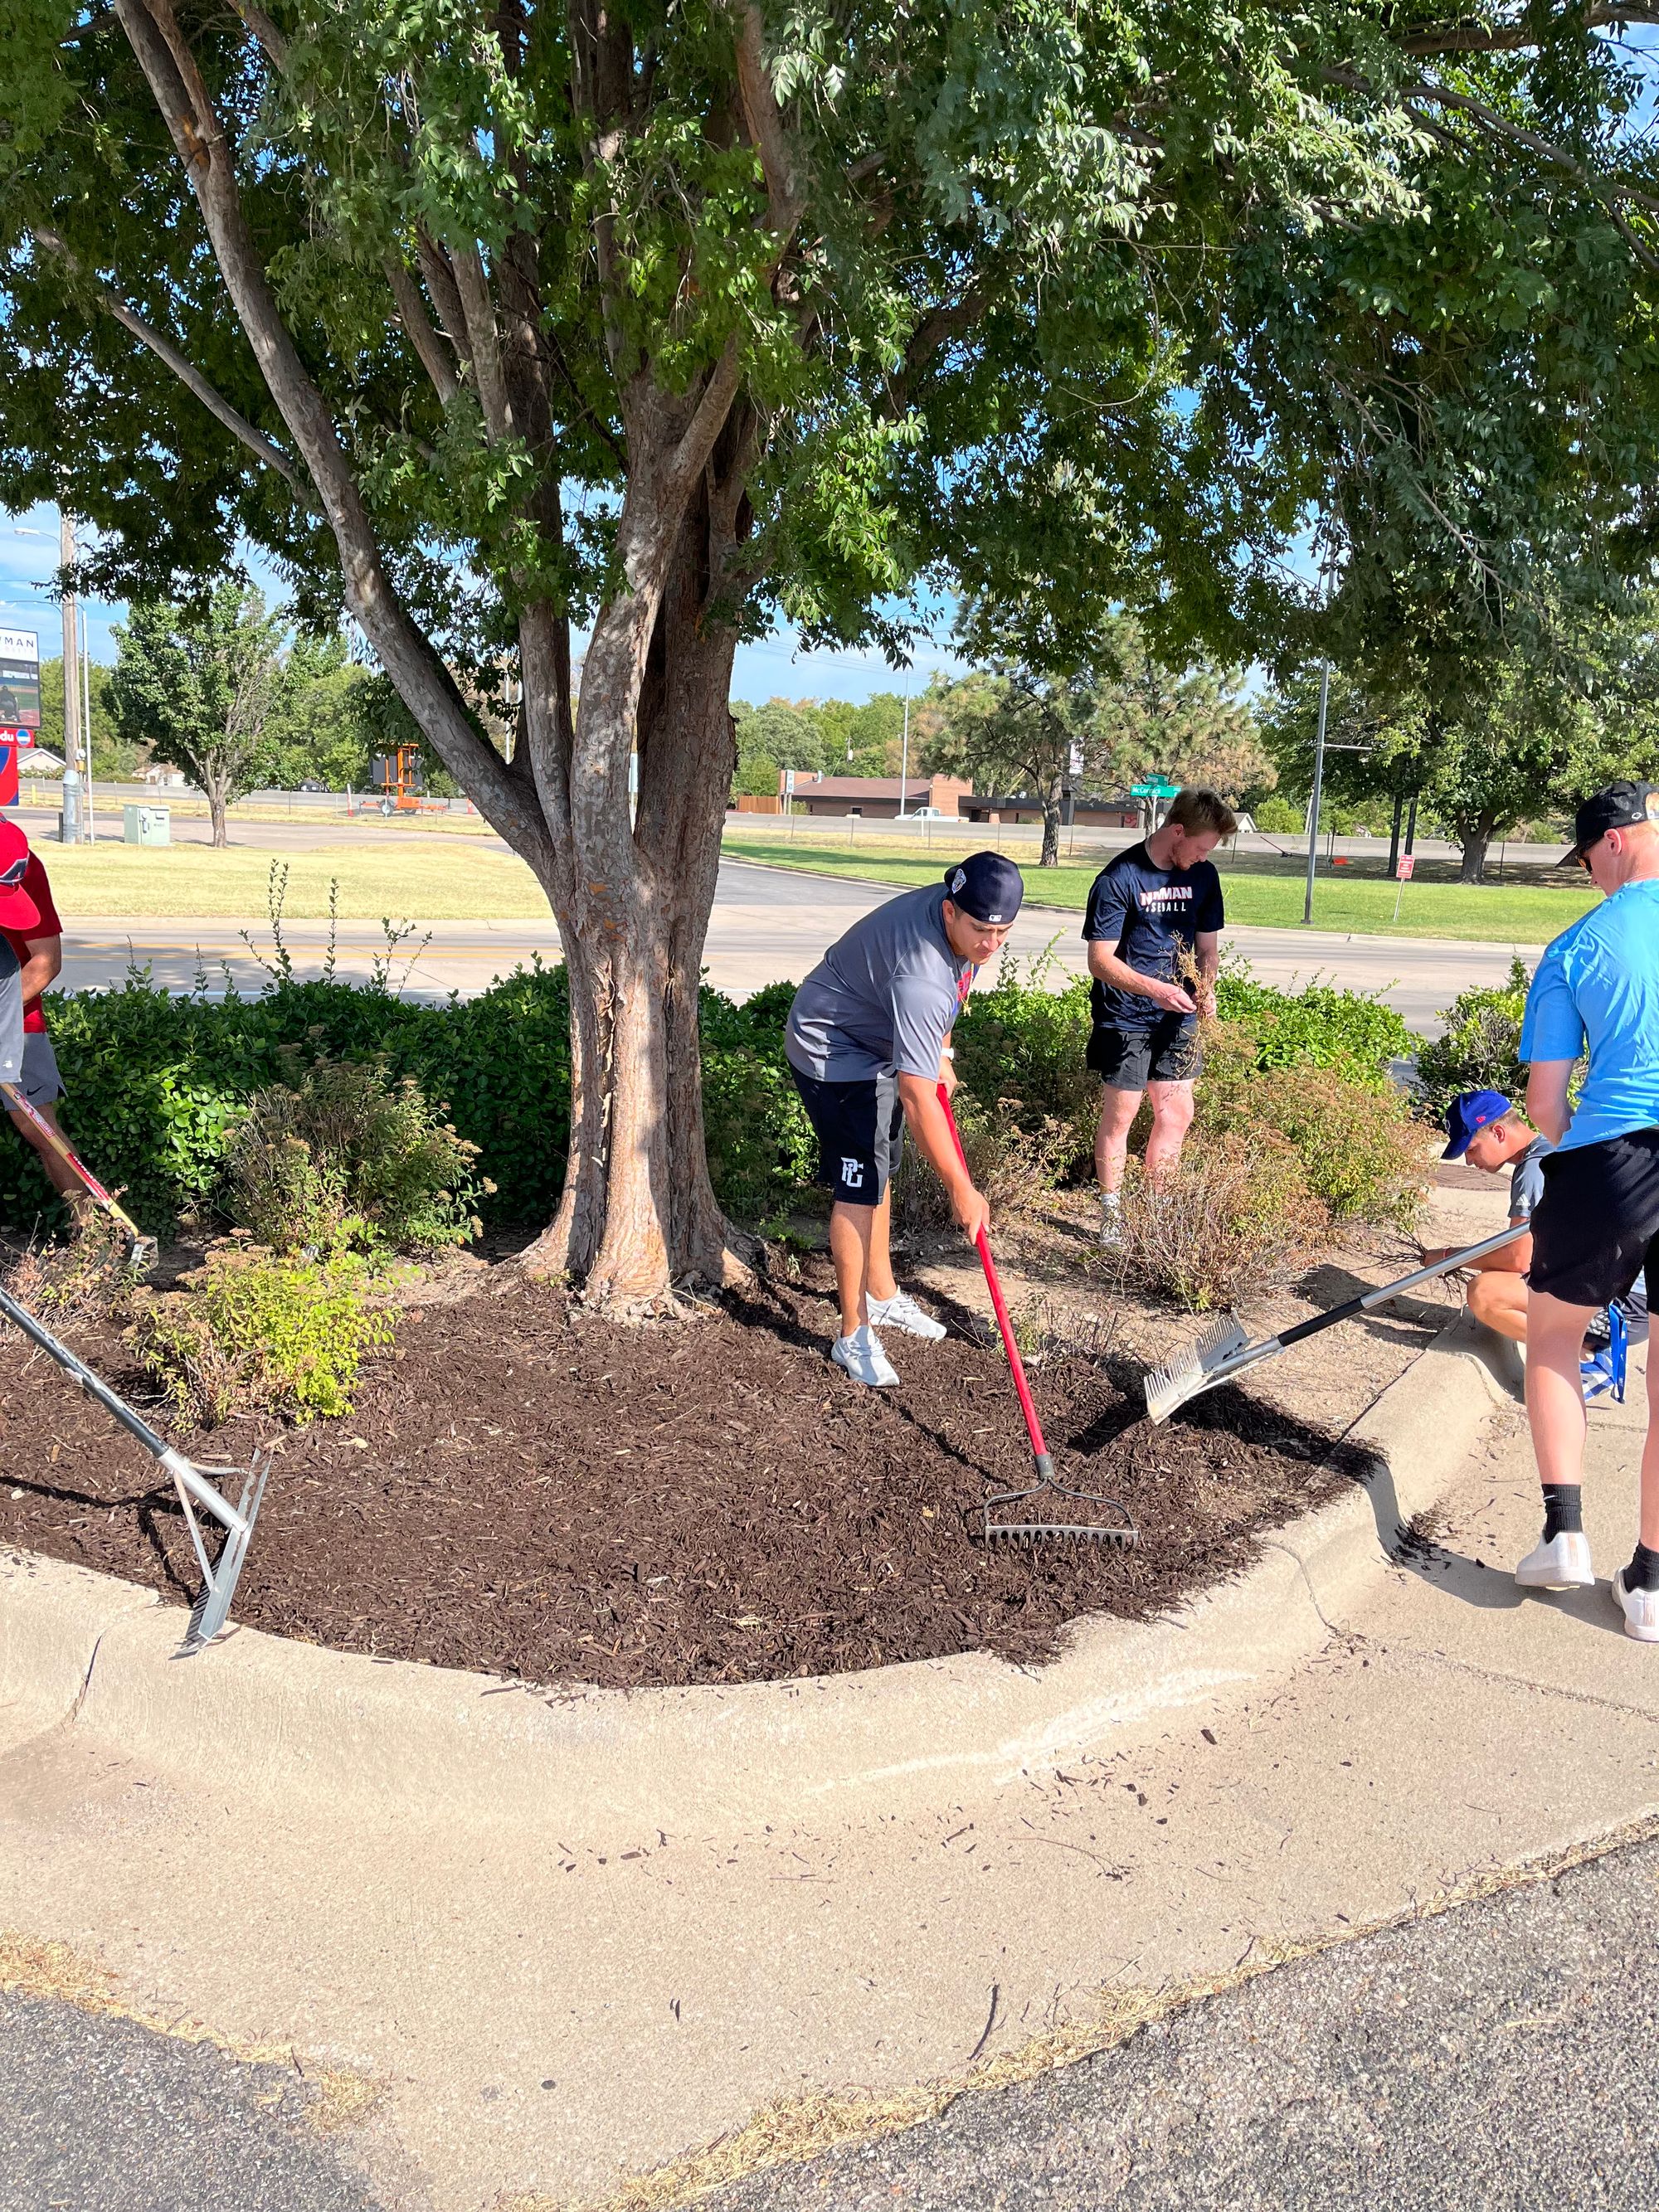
<point>547,2010</point>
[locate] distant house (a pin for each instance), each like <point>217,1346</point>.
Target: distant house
<point>1088,812</point>
<point>875,798</point>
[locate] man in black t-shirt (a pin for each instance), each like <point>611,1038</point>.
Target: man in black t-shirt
<point>1152,926</point>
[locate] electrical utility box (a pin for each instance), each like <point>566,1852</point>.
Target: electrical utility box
<point>146,826</point>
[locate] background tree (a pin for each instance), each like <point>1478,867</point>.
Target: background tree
<point>201,688</point>
<point>319,730</point>
<point>1014,729</point>
<point>665,323</point>
<point>112,756</point>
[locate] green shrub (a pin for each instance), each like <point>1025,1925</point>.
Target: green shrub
<point>1278,819</point>
<point>1361,1150</point>
<point>1480,1047</point>
<point>253,1331</point>
<point>346,1159</point>
<point>762,1151</point>
<point>1318,1027</point>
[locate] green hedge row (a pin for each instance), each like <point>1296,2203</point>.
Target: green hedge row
<point>154,1079</point>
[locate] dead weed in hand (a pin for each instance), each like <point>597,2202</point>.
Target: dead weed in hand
<point>1238,1213</point>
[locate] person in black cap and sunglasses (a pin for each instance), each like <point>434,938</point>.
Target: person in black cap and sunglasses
<point>1596,1228</point>
<point>868,1044</point>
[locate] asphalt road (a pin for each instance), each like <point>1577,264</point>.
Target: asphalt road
<point>99,2115</point>
<point>1500,2056</point>
<point>769,925</point>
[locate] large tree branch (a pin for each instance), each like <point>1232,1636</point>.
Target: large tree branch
<point>485,341</point>
<point>1466,34</point>
<point>767,128</point>
<point>409,658</point>
<point>185,370</point>
<point>271,39</point>
<point>420,329</point>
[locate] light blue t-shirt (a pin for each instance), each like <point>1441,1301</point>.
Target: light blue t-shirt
<point>1597,988</point>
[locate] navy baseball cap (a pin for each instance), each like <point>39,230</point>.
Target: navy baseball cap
<point>986,886</point>
<point>1472,1111</point>
<point>1620,807</point>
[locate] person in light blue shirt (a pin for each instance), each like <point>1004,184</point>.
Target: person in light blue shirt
<point>1595,995</point>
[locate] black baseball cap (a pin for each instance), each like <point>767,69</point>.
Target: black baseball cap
<point>1620,807</point>
<point>986,886</point>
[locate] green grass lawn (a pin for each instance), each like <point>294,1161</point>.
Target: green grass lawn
<point>422,881</point>
<point>1260,890</point>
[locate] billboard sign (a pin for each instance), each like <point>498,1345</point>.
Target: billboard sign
<point>20,679</point>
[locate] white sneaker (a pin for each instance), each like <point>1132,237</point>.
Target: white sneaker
<point>1640,1609</point>
<point>1110,1233</point>
<point>901,1312</point>
<point>861,1357</point>
<point>1562,1564</point>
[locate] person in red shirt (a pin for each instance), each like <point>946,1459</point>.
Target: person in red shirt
<point>29,919</point>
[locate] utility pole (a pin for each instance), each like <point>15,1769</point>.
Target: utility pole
<point>1318,781</point>
<point>68,823</point>
<point>904,751</point>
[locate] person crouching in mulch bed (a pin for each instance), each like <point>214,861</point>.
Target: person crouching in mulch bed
<point>868,1043</point>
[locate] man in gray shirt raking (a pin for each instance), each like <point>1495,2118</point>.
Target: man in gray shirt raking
<point>868,1044</point>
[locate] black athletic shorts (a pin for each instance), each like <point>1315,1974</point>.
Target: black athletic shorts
<point>860,1133</point>
<point>1596,1227</point>
<point>1127,1059</point>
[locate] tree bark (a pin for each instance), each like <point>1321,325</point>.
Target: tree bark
<point>215,788</point>
<point>1050,830</point>
<point>1394,833</point>
<point>1475,837</point>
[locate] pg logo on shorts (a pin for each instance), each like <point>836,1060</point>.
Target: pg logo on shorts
<point>852,1174</point>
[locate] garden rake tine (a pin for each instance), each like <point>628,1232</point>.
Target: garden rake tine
<point>1026,1530</point>
<point>141,1250</point>
<point>197,1486</point>
<point>1223,1349</point>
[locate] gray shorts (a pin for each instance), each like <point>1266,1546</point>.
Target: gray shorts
<point>40,1082</point>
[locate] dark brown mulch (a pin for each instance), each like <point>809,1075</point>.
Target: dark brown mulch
<point>553,1498</point>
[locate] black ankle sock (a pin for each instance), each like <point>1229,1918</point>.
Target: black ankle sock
<point>1562,1516</point>
<point>1643,1572</point>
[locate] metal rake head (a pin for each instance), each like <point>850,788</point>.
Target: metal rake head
<point>219,1576</point>
<point>1004,1522</point>
<point>1192,1368</point>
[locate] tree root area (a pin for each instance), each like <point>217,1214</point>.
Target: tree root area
<point>529,1492</point>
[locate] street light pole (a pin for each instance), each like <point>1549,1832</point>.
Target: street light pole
<point>1318,783</point>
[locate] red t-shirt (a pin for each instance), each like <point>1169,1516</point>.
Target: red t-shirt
<point>35,883</point>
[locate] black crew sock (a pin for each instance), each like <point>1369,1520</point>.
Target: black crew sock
<point>1562,1515</point>
<point>1643,1572</point>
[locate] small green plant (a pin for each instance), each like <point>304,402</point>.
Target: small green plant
<point>1481,1046</point>
<point>345,1158</point>
<point>256,1331</point>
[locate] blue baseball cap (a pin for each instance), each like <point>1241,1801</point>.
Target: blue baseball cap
<point>1472,1111</point>
<point>986,886</point>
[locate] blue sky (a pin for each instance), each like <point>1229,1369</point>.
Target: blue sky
<point>775,667</point>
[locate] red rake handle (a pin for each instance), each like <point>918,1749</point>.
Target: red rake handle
<point>999,1306</point>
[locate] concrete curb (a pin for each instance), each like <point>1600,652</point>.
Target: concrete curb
<point>264,1713</point>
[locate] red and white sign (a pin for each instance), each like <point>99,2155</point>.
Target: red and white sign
<point>1406,867</point>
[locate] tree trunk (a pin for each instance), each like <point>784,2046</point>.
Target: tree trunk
<point>214,785</point>
<point>1394,833</point>
<point>1050,830</point>
<point>1476,838</point>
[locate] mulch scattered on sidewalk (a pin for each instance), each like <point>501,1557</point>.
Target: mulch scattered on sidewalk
<point>535,1493</point>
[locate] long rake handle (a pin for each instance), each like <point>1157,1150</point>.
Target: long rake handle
<point>1273,1345</point>
<point>999,1306</point>
<point>60,1144</point>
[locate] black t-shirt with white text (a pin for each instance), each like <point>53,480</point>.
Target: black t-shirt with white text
<point>1149,916</point>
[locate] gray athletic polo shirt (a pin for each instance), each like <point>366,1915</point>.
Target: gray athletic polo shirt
<point>11,1014</point>
<point>884,998</point>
